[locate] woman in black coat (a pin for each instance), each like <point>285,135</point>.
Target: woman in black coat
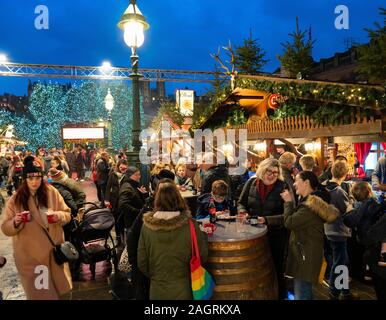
<point>132,196</point>
<point>261,199</point>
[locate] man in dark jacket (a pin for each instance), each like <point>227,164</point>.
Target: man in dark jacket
<point>71,160</point>
<point>212,173</point>
<point>132,196</point>
<point>80,163</point>
<point>78,195</point>
<point>102,176</point>
<point>287,161</point>
<point>67,197</point>
<point>112,192</point>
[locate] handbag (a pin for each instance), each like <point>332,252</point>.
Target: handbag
<point>124,265</point>
<point>201,280</point>
<point>64,252</point>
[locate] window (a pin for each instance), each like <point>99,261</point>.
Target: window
<point>375,153</point>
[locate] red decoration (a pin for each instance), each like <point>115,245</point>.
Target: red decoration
<point>362,150</point>
<point>275,99</point>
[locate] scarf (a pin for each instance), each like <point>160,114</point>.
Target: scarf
<point>181,180</point>
<point>263,190</point>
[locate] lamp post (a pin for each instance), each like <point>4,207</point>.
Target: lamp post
<point>134,23</point>
<point>109,105</point>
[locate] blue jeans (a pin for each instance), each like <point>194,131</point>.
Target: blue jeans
<point>303,290</point>
<point>339,258</point>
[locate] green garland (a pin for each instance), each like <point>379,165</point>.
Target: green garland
<point>325,103</point>
<point>355,95</point>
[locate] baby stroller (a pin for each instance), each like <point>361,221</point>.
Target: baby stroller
<point>91,235</point>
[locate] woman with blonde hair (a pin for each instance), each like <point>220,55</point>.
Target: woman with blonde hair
<point>165,248</point>
<point>261,199</point>
<point>157,168</point>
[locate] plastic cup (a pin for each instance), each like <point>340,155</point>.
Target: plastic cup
<point>26,216</point>
<point>241,222</point>
<point>51,218</point>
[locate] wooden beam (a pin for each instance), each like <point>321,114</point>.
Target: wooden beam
<point>303,81</point>
<point>360,138</point>
<point>331,131</point>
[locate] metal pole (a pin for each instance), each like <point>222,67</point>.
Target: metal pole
<point>133,156</point>
<point>110,134</point>
<point>136,143</point>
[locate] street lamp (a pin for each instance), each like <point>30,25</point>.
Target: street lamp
<point>134,24</point>
<point>109,105</point>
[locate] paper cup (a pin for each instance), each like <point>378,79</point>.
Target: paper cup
<point>26,216</point>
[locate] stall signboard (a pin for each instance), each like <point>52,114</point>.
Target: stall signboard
<point>95,133</point>
<point>185,102</point>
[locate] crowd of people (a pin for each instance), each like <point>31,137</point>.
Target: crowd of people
<point>311,217</point>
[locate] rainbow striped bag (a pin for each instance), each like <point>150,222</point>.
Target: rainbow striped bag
<point>202,281</point>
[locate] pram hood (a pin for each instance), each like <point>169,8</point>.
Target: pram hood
<point>98,219</point>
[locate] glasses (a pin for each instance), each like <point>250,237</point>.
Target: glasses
<point>272,173</point>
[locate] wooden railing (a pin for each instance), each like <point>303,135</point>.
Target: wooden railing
<point>304,126</point>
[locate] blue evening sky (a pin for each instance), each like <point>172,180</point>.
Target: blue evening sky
<point>182,33</point>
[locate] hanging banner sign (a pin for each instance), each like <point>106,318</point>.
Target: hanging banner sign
<point>185,102</point>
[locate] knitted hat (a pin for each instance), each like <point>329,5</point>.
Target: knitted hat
<point>32,167</point>
<point>130,171</point>
<point>57,175</point>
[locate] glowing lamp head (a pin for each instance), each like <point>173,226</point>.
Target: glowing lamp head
<point>109,101</point>
<point>134,24</point>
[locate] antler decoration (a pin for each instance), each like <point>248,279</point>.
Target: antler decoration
<point>229,72</point>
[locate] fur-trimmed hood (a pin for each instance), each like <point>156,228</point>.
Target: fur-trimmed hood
<point>324,210</point>
<point>157,224</point>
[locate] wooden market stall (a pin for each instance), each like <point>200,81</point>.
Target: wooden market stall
<point>8,144</point>
<point>300,111</point>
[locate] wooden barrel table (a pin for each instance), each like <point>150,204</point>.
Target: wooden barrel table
<point>241,263</point>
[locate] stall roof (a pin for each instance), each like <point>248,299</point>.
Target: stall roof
<point>248,99</point>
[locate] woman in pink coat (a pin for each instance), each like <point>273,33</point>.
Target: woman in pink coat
<point>41,277</point>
